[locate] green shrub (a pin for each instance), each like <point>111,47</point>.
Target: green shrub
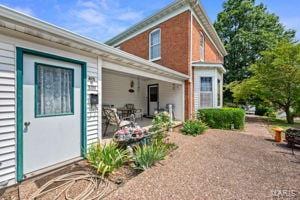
<point>161,122</point>
<point>225,118</point>
<point>147,155</point>
<point>193,127</point>
<point>105,159</point>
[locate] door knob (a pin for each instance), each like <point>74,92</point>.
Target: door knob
<point>26,124</point>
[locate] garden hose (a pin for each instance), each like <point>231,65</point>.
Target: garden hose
<point>96,184</point>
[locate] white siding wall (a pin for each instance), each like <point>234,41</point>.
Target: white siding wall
<point>115,91</point>
<point>170,94</point>
<point>7,113</point>
<point>92,112</point>
<point>206,72</point>
<point>8,101</point>
<point>115,88</point>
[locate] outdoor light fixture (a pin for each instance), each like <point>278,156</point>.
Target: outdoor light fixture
<point>131,90</point>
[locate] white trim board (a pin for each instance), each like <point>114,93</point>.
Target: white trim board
<point>210,65</point>
<point>138,72</point>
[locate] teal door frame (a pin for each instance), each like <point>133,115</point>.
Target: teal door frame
<point>20,58</point>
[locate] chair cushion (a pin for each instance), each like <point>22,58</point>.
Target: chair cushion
<point>124,123</point>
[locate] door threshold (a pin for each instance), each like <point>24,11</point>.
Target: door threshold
<point>51,168</point>
<point>148,116</point>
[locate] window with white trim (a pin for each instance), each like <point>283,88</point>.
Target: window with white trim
<point>206,92</point>
<point>202,46</point>
<point>154,45</point>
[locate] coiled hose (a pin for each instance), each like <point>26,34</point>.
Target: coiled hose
<point>96,189</point>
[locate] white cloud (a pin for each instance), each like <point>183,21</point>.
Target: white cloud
<point>91,16</point>
<point>24,10</point>
<point>130,15</point>
<point>100,19</point>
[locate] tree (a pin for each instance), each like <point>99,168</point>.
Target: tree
<point>275,80</point>
<point>247,29</point>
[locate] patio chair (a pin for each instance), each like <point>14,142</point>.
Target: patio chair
<point>114,120</point>
<point>138,113</point>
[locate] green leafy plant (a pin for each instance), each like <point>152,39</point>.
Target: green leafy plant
<point>193,127</point>
<point>161,122</point>
<point>225,118</point>
<point>147,155</point>
<point>105,159</point>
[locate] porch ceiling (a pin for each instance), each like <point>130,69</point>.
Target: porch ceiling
<point>142,71</point>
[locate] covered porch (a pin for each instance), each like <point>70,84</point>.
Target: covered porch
<point>147,92</point>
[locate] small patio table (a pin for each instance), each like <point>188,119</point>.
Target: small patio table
<point>124,112</point>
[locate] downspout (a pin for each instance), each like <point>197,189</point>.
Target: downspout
<point>191,67</point>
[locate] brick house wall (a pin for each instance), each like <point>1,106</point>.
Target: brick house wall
<point>211,53</point>
<point>175,42</point>
<point>175,49</point>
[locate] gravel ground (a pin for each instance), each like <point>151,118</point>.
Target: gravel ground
<point>220,165</point>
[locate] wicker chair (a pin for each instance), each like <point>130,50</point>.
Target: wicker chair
<point>114,120</point>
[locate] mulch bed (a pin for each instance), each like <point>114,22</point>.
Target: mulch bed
<point>117,179</point>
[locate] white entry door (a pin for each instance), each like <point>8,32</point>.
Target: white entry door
<point>51,112</point>
<point>153,99</point>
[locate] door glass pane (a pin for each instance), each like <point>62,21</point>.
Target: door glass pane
<point>54,90</point>
<point>153,94</point>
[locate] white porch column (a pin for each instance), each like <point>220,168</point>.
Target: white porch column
<point>99,67</point>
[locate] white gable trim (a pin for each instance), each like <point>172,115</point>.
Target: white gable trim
<point>148,26</point>
<point>167,13</point>
<point>205,31</point>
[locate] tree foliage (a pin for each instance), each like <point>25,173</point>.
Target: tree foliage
<point>275,79</point>
<point>247,29</point>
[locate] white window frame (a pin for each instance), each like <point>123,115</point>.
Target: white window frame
<point>150,46</point>
<point>219,92</point>
<point>202,48</point>
<point>207,92</point>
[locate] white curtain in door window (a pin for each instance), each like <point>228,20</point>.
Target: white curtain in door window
<point>54,90</point>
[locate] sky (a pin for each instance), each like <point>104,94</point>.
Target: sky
<point>103,19</point>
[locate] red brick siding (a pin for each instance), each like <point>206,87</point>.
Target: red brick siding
<point>211,53</point>
<point>175,42</point>
<point>187,99</point>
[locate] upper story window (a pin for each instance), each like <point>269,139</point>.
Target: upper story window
<point>202,46</point>
<point>154,45</point>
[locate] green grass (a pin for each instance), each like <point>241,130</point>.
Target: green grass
<point>273,123</point>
